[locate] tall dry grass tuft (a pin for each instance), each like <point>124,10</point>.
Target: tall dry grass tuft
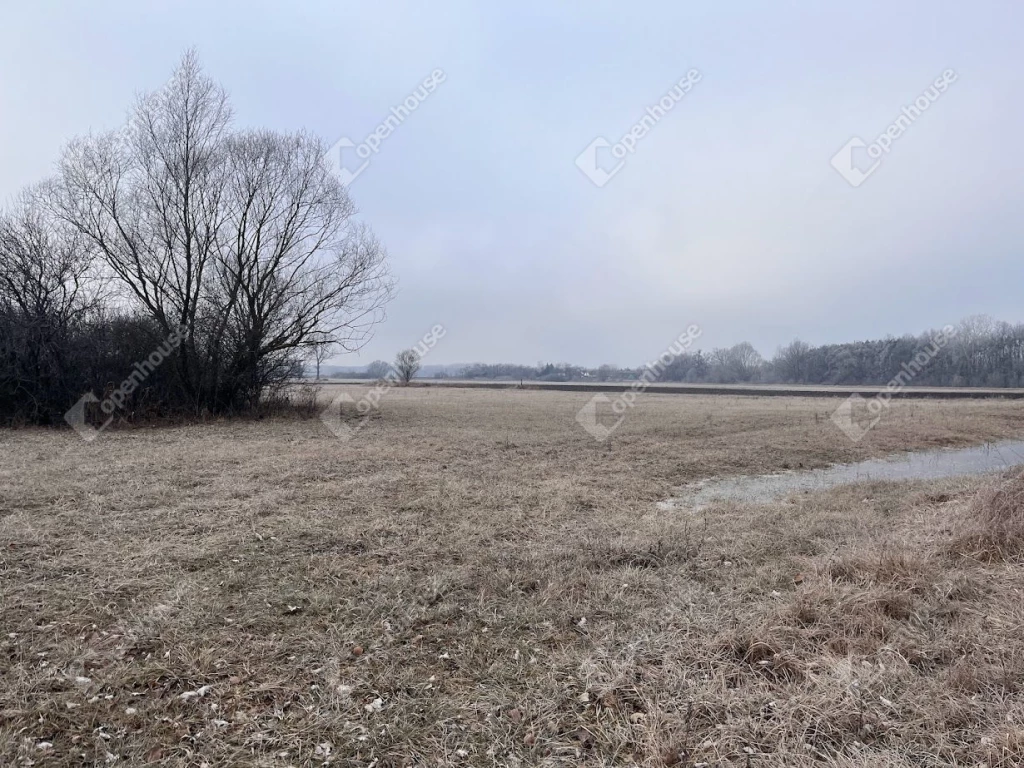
<point>992,529</point>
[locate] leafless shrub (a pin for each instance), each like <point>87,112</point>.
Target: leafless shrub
<point>378,370</point>
<point>407,365</point>
<point>305,399</point>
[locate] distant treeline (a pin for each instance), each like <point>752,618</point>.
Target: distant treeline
<point>977,352</point>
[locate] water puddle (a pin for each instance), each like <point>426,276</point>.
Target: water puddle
<point>918,465</point>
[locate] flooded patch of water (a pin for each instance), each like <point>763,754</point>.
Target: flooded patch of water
<point>918,465</point>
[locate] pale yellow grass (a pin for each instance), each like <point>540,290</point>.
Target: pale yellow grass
<point>473,580</point>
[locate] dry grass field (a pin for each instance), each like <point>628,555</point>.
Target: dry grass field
<point>473,580</point>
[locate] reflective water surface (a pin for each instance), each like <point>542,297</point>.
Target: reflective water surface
<point>918,465</point>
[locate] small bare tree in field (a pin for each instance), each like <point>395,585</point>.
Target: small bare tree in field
<point>407,365</point>
<point>320,353</point>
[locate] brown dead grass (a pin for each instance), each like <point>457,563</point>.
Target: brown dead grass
<point>472,580</point>
<point>992,530</point>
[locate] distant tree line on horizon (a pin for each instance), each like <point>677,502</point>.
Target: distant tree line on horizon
<point>981,353</point>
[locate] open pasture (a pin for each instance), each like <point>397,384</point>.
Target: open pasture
<point>472,579</point>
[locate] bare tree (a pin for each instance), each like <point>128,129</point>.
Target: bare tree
<point>320,353</point>
<point>378,369</point>
<point>44,266</point>
<point>47,289</point>
<point>148,197</point>
<point>738,363</point>
<point>407,365</point>
<point>792,361</point>
<point>245,240</point>
<point>746,361</point>
<point>296,270</point>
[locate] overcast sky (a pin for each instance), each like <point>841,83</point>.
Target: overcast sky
<point>728,213</point>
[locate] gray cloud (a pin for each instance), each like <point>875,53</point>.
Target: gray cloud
<point>728,214</point>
